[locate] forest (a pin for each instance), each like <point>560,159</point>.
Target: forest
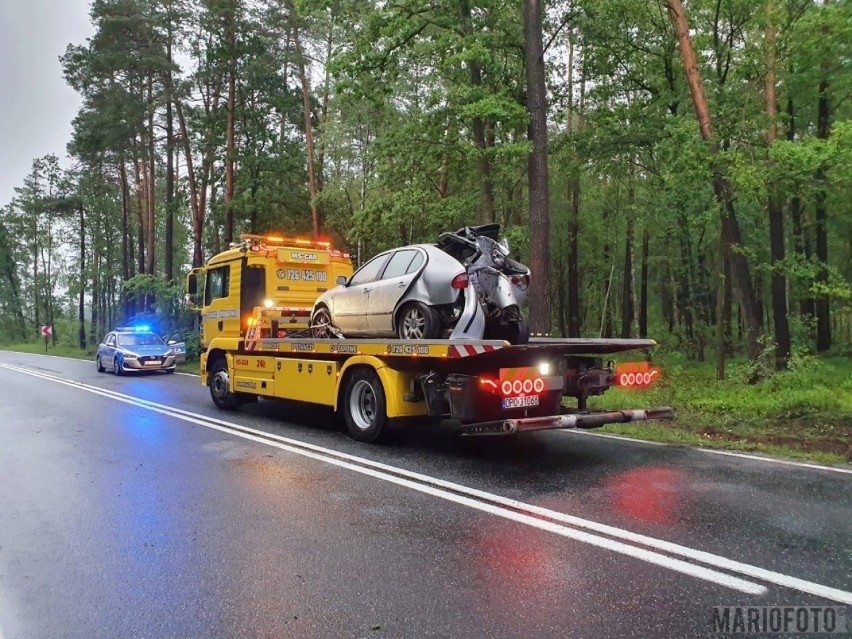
<point>675,170</point>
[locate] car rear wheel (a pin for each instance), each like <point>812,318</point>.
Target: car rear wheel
<point>418,321</point>
<point>364,406</point>
<point>320,324</point>
<point>98,364</point>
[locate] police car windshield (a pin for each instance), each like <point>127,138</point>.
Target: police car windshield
<point>139,339</point>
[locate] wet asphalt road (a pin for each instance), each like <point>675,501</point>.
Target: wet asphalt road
<point>128,519</point>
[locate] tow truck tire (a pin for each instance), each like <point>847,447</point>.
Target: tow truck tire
<point>364,406</point>
<point>220,387</point>
<point>98,364</point>
<point>416,320</point>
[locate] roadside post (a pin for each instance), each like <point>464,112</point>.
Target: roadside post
<point>47,331</point>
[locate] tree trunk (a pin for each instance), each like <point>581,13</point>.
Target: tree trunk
<point>574,311</point>
<point>170,160</point>
<point>776,215</point>
<point>483,162</point>
<point>140,224</point>
<point>539,294</point>
<point>230,31</point>
<point>822,304</point>
<point>721,350</point>
<point>627,306</point>
<point>721,186</point>
<point>309,135</point>
<point>197,211</point>
<point>800,246</point>
<point>152,192</point>
<point>81,304</point>
<point>643,286</point>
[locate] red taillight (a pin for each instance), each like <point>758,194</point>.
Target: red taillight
<point>521,281</point>
<point>488,384</point>
<point>460,280</point>
<point>522,387</point>
<point>635,375</point>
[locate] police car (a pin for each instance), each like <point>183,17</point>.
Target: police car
<point>134,349</point>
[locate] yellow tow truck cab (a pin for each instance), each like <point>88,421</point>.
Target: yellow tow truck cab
<point>256,299</point>
<point>282,274</point>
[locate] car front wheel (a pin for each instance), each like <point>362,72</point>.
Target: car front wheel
<point>321,323</point>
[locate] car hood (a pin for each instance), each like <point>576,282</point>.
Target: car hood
<point>147,350</point>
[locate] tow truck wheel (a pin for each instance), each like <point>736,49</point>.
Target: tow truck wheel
<point>364,406</point>
<point>100,366</point>
<point>220,387</point>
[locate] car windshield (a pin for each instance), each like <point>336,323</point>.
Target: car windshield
<point>139,339</point>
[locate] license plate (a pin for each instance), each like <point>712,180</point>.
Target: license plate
<point>520,402</point>
<point>153,362</point>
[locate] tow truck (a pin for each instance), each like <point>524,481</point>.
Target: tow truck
<point>255,301</point>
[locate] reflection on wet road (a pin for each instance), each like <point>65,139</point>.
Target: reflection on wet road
<point>180,520</point>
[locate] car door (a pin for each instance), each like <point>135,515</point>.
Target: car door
<point>350,302</point>
<point>395,281</point>
<point>108,350</point>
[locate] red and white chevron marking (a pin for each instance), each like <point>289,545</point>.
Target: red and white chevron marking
<point>470,349</point>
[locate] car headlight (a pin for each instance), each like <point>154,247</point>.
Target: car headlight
<point>129,355</point>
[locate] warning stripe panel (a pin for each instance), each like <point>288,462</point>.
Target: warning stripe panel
<point>470,349</point>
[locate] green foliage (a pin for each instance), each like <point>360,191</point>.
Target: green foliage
<point>418,111</point>
<point>804,411</point>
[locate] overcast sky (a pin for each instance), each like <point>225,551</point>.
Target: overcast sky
<point>36,106</point>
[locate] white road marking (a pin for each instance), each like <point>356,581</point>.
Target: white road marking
<point>711,451</point>
<point>407,479</point>
<point>497,505</point>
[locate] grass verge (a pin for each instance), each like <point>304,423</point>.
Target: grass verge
<point>805,413</point>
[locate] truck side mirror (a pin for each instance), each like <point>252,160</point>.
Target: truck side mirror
<point>190,299</point>
<point>341,280</point>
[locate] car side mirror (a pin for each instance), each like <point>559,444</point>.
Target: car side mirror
<point>172,342</point>
<point>341,280</point>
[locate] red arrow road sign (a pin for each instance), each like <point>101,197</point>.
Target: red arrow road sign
<point>47,330</point>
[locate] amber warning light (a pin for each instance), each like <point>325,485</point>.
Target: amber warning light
<point>636,375</point>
